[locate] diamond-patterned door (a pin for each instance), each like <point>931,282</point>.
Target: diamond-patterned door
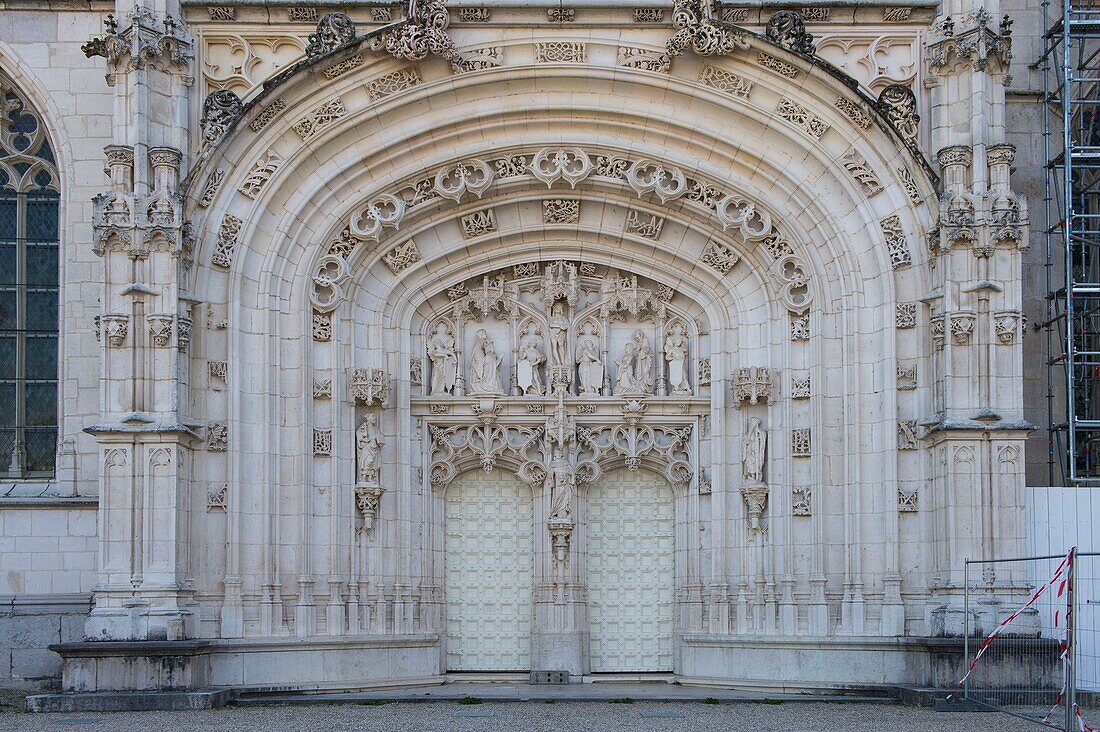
<point>489,572</point>
<point>630,567</point>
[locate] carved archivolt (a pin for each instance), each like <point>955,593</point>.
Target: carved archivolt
<point>666,448</point>
<point>452,448</point>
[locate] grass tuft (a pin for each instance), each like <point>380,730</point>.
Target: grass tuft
<point>469,700</point>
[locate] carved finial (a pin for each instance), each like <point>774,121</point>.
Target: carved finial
<point>333,30</point>
<point>111,24</point>
<point>787,29</point>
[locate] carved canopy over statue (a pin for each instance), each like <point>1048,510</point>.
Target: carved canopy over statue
<point>560,328</point>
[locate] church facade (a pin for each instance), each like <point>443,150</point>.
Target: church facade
<point>395,343</point>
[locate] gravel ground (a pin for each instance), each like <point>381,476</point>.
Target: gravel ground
<point>528,717</point>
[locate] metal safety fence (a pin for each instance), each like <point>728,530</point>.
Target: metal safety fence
<point>1031,635</point>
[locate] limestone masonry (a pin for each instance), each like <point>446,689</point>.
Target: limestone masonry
<point>394,341</point>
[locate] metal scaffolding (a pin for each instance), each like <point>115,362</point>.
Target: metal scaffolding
<point>1071,135</point>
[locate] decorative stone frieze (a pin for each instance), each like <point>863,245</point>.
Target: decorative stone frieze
<point>322,327</point>
<point>702,371</point>
<point>726,81</point>
<point>907,500</point>
<point>392,83</point>
<point>217,437</point>
<point>261,173</point>
<point>907,434</point>
<point>561,211</point>
<point>320,118</point>
<point>228,233</point>
<point>561,52</point>
<point>896,244</point>
<point>381,15</point>
<point>213,182</point>
<point>905,315</point>
<point>801,118</point>
<point>643,224</point>
<point>800,386</point>
<point>222,13</point>
<point>780,67</point>
<point>479,223</point>
<point>735,15</point>
<point>479,59</point>
<point>720,256</point>
<point>218,373</point>
<point>649,15</point>
<point>907,376</point>
<point>815,15</point>
<point>910,185</point>
<point>801,501</point>
<point>854,112</point>
<point>370,387</point>
<point>322,388</point>
<point>800,327</point>
<point>474,15</point>
<point>896,15</point>
<point>342,67</point>
<point>800,442</point>
<point>301,15</point>
<point>753,385</point>
<point>218,499</point>
<point>322,442</point>
<point>561,15</point>
<point>862,172</point>
<point>640,58</point>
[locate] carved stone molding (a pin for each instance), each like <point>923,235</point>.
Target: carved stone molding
<point>370,387</point>
<point>698,30</point>
<point>753,385</point>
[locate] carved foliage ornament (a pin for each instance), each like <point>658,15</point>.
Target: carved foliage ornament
<point>220,111</point>
<point>697,30</point>
<point>787,29</point>
<point>898,103</point>
<point>333,31</point>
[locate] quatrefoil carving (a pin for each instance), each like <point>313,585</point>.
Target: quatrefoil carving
<point>384,210</point>
<point>332,271</point>
<point>737,213</point>
<point>470,176</point>
<point>570,164</point>
<point>666,181</point>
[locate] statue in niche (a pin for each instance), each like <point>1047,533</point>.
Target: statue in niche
<point>559,336</point>
<point>625,382</point>
<point>676,354</point>
<point>484,367</point>
<point>527,367</point>
<point>368,448</point>
<point>564,482</point>
<point>753,446</point>
<point>589,363</point>
<point>444,358</point>
<point>643,362</point>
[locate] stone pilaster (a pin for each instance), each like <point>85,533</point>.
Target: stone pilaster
<point>143,591</point>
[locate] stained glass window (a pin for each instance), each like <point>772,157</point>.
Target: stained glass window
<point>29,239</point>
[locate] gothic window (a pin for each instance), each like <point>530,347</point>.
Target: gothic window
<point>29,239</point>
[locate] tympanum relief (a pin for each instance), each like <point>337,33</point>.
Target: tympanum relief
<point>560,328</point>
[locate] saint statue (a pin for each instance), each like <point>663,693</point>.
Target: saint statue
<point>368,447</point>
<point>561,508</point>
<point>625,382</point>
<point>527,367</point>
<point>559,336</point>
<point>676,353</point>
<point>753,445</point>
<point>484,367</point>
<point>589,363</point>
<point>441,352</point>
<point>643,363</point>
